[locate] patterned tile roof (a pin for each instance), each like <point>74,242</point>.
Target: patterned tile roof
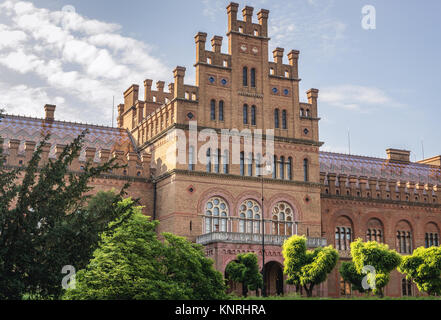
<point>379,168</point>
<point>31,129</point>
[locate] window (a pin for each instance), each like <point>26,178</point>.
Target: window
<point>225,161</point>
<point>208,160</point>
<point>343,238</point>
<point>289,169</point>
<point>302,112</point>
<point>305,170</point>
<point>253,77</point>
<point>245,76</point>
<point>221,110</point>
<point>259,165</point>
<point>213,110</point>
<point>271,71</point>
<point>250,164</point>
<point>308,114</point>
<point>242,164</point>
<point>191,162</point>
<point>217,160</point>
<point>274,167</point>
<point>249,217</point>
<point>276,118</point>
<point>284,119</point>
<point>245,114</point>
<point>345,287</point>
<point>282,167</point>
<point>406,287</point>
<point>374,231</point>
<point>283,219</point>
<point>431,239</point>
<point>404,241</point>
<point>253,115</point>
<point>216,215</point>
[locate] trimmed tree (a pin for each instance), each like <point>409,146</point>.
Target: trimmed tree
<point>131,263</point>
<point>245,270</point>
<point>424,268</point>
<point>44,224</point>
<point>376,255</point>
<point>307,268</point>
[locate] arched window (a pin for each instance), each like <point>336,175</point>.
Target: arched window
<point>221,110</point>
<point>431,235</point>
<point>289,169</point>
<point>242,164</point>
<point>308,114</point>
<point>216,215</point>
<point>284,119</point>
<point>283,219</point>
<point>305,170</point>
<point>249,217</point>
<point>226,161</point>
<point>374,230</point>
<point>245,114</point>
<point>213,109</point>
<point>282,167</point>
<point>208,160</point>
<point>253,115</point>
<point>258,165</point>
<point>343,233</point>
<point>276,118</point>
<point>404,237</point>
<point>302,112</point>
<point>245,76</point>
<point>191,159</point>
<point>253,77</point>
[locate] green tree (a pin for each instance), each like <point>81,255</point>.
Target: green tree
<point>377,255</point>
<point>349,274</point>
<point>44,224</point>
<point>132,263</point>
<point>307,268</point>
<point>244,269</point>
<point>424,268</point>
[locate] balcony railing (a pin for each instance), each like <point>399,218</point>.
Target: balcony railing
<point>253,238</point>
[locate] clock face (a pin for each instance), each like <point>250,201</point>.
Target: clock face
<point>243,47</point>
<point>255,50</point>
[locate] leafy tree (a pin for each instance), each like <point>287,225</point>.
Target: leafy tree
<point>44,224</point>
<point>246,271</point>
<point>371,253</point>
<point>132,263</point>
<point>424,268</point>
<point>307,268</point>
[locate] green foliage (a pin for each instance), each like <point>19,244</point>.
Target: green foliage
<point>44,224</point>
<point>377,255</point>
<point>349,274</point>
<point>424,268</point>
<point>246,271</point>
<point>307,268</point>
<point>131,263</point>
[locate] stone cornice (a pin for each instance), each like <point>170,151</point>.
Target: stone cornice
<point>370,201</point>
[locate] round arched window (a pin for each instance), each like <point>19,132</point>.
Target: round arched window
<point>216,214</point>
<point>249,216</point>
<point>282,219</point>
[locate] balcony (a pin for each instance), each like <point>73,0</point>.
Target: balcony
<point>253,238</point>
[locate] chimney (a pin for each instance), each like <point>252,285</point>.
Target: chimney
<point>216,43</point>
<point>262,16</point>
<point>49,110</point>
<point>278,55</point>
<point>397,155</point>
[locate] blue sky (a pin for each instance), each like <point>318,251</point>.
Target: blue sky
<point>382,85</point>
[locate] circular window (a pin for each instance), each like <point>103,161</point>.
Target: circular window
<point>275,90</point>
<point>190,115</point>
<point>286,91</point>
<point>211,79</point>
<point>224,81</point>
<point>306,131</point>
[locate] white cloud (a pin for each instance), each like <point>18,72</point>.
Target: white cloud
<point>85,60</point>
<point>358,98</point>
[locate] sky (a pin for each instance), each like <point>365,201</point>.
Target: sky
<point>379,87</point>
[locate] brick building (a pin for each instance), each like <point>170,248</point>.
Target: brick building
<point>225,205</point>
